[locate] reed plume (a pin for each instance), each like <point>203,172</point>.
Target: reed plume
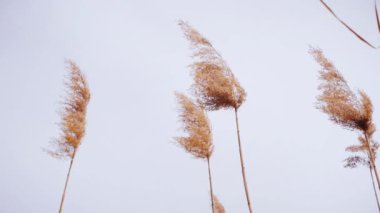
<point>73,120</point>
<point>346,109</point>
<point>361,38</point>
<point>219,208</point>
<point>198,141</point>
<point>215,86</point>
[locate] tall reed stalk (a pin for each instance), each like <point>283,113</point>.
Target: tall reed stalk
<point>198,141</point>
<point>374,189</point>
<point>242,162</point>
<point>210,182</point>
<point>346,109</point>
<point>73,120</point>
<point>215,86</point>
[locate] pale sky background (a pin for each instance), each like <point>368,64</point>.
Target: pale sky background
<point>135,56</point>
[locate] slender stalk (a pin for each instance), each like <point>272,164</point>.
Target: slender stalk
<point>210,180</point>
<point>242,163</point>
<point>67,181</point>
<point>372,159</point>
<point>374,188</point>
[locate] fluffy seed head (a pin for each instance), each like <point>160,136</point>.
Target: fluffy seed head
<point>73,115</point>
<point>198,141</point>
<point>215,86</point>
<point>338,101</point>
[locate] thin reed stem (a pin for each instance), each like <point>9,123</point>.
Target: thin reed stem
<point>374,188</point>
<point>242,163</point>
<point>210,180</point>
<point>67,181</point>
<point>349,28</point>
<point>372,160</point>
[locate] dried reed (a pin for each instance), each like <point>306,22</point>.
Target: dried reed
<point>73,120</point>
<point>344,108</point>
<point>198,141</point>
<point>215,86</point>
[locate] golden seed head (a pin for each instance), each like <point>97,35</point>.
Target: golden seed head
<point>198,141</point>
<point>73,115</point>
<point>215,86</point>
<point>337,99</point>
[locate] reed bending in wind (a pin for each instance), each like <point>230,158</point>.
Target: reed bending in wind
<point>215,86</point>
<point>73,120</point>
<point>346,109</point>
<point>198,141</point>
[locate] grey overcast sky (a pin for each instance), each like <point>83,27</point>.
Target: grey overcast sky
<point>135,56</point>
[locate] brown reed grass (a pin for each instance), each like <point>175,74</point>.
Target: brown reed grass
<point>338,101</point>
<point>73,120</point>
<point>215,86</point>
<point>198,141</point>
<point>346,109</point>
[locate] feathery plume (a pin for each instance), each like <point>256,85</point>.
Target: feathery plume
<point>215,85</point>
<point>344,108</point>
<point>338,101</point>
<point>73,119</point>
<point>73,116</point>
<point>198,142</point>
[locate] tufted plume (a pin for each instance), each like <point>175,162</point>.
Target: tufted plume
<point>198,141</point>
<point>337,99</point>
<point>215,86</point>
<point>73,115</point>
<point>73,120</point>
<point>351,111</point>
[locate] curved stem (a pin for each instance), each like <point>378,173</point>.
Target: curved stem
<point>242,163</point>
<point>210,180</point>
<point>67,181</point>
<point>348,27</point>
<point>374,188</point>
